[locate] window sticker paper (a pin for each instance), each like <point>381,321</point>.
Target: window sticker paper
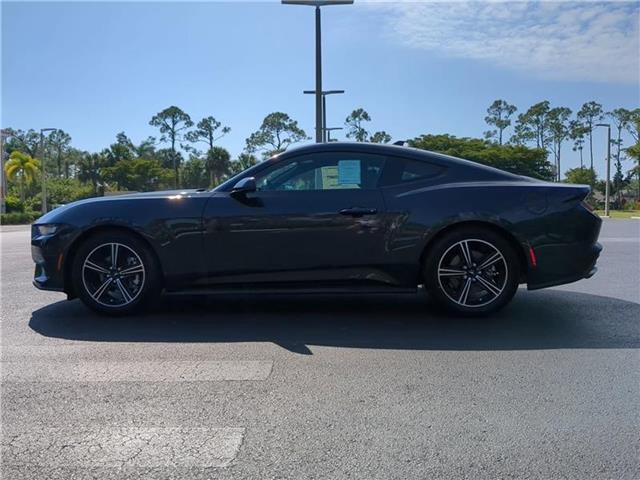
<point>349,172</point>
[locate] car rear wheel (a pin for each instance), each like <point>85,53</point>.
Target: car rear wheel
<point>115,273</point>
<point>472,271</point>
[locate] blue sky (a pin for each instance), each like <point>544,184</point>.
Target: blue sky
<point>97,68</point>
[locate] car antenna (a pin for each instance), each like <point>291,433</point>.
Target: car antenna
<point>401,143</point>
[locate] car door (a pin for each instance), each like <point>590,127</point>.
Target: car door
<point>313,218</point>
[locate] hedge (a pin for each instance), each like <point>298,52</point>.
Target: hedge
<point>17,218</point>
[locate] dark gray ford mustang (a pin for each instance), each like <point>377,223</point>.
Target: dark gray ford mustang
<point>326,218</point>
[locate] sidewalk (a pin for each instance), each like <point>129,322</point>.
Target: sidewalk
<point>14,228</point>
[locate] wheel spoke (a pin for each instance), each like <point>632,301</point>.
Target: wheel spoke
<point>127,297</point>
<point>465,292</point>
<point>94,266</point>
<point>132,270</point>
<point>490,261</point>
<point>451,272</point>
<point>101,289</point>
<point>114,255</point>
<point>464,246</point>
<point>489,286</point>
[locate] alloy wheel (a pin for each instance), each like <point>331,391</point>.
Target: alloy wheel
<point>472,273</point>
<point>113,274</point>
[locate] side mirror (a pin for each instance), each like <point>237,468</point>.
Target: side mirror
<point>244,186</point>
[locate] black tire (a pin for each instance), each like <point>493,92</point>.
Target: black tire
<point>471,271</point>
<point>127,286</point>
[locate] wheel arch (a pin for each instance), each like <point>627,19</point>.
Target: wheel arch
<point>91,232</point>
<point>503,232</point>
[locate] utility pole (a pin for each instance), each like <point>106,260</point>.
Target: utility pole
<point>606,187</point>
<point>318,92</point>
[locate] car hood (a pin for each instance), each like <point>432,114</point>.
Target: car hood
<point>51,216</point>
<point>161,194</point>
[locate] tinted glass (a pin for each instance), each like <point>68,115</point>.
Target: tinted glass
<point>415,170</point>
<point>332,171</point>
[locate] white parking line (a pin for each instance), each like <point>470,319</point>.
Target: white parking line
<point>102,446</point>
<point>144,371</point>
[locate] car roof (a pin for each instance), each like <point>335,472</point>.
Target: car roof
<point>392,151</point>
<point>389,151</point>
<point>361,147</point>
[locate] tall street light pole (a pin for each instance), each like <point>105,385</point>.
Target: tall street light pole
<point>4,133</point>
<point>606,187</point>
<point>324,94</point>
<point>317,4</point>
<point>44,170</point>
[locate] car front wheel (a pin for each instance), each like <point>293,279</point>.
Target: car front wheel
<point>115,273</point>
<point>472,271</point>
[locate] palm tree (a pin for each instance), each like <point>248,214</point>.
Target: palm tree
<point>21,167</point>
<point>89,169</point>
<point>218,164</point>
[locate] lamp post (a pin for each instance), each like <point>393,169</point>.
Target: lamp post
<point>324,108</point>
<point>317,4</point>
<point>4,133</point>
<point>606,187</point>
<point>44,170</point>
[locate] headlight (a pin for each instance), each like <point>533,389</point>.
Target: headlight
<point>48,229</point>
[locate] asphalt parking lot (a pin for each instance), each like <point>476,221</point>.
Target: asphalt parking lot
<point>375,387</point>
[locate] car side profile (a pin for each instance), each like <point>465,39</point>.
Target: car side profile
<point>334,217</point>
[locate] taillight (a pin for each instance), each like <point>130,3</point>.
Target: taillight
<point>532,257</point>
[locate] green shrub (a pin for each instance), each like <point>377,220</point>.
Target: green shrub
<point>34,203</point>
<point>13,204</point>
<point>65,190</point>
<point>633,205</point>
<point>18,218</point>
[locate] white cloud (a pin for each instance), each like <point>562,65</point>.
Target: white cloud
<point>589,41</point>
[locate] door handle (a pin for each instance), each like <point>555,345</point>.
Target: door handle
<point>358,211</point>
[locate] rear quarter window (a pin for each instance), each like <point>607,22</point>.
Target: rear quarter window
<point>407,170</point>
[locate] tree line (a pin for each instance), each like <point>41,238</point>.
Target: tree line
<point>548,128</point>
<point>186,152</point>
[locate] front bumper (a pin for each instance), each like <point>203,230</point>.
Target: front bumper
<point>48,255</point>
<point>47,275</point>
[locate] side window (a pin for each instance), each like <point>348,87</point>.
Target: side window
<point>272,175</point>
<point>328,171</point>
<point>401,170</point>
<point>415,170</point>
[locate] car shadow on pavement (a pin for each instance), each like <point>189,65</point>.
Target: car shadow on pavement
<point>548,319</point>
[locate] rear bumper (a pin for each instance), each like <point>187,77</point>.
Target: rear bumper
<point>561,264</point>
